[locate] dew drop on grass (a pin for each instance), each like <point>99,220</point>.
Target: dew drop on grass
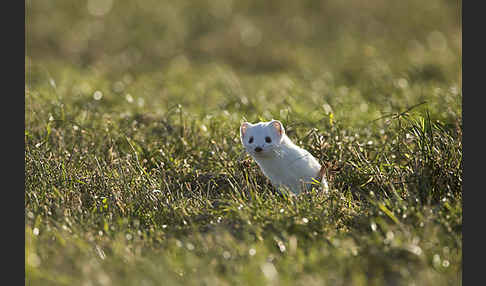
<point>52,82</point>
<point>415,249</point>
<point>373,226</point>
<point>436,259</point>
<point>97,95</point>
<point>402,83</point>
<point>244,100</point>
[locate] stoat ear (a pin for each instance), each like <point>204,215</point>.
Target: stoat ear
<point>244,126</point>
<point>278,127</point>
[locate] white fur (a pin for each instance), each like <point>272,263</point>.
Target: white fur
<point>281,161</point>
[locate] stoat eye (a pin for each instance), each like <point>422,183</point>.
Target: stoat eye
<point>250,140</point>
<point>268,139</point>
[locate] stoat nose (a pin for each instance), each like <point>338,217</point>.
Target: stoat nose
<point>258,149</point>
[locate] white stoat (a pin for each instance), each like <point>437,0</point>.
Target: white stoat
<point>284,163</point>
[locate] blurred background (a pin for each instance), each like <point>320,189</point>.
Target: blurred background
<point>250,35</point>
<point>365,49</point>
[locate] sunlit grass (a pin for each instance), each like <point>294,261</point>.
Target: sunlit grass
<point>134,170</point>
<point>120,193</point>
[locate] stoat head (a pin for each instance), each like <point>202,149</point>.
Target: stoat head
<point>261,139</point>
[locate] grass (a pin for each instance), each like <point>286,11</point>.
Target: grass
<point>135,175</point>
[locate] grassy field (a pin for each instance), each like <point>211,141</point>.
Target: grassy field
<point>134,170</point>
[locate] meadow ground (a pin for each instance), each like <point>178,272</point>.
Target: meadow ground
<point>134,170</point>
